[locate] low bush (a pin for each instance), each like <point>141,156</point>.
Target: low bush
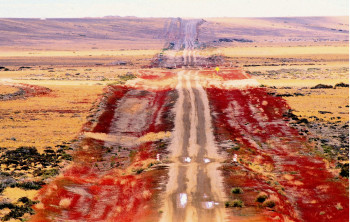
<point>262,196</point>
<point>236,190</point>
<point>269,203</point>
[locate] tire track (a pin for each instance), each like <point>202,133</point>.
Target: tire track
<point>194,191</point>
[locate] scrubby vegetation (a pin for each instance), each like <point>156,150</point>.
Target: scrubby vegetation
<point>234,203</point>
<point>236,190</point>
<point>262,196</point>
<point>18,209</point>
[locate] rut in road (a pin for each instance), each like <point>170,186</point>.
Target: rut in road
<point>194,190</point>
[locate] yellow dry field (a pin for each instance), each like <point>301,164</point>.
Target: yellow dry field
<point>333,101</point>
<point>7,89</point>
<point>294,51</point>
<point>299,83</point>
<point>90,53</point>
<point>15,193</point>
<point>103,73</point>
<point>47,120</point>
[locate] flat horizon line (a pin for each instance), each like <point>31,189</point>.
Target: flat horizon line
<point>116,16</point>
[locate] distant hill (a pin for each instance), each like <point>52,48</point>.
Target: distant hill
<point>284,29</point>
<point>82,33</point>
<point>114,32</point>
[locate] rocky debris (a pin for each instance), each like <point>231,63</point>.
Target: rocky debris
<point>322,86</point>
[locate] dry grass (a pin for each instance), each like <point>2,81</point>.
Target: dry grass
<point>46,120</point>
<point>314,100</point>
<point>94,53</point>
<point>295,51</point>
<point>7,89</point>
<point>15,193</point>
<point>330,100</point>
<point>299,83</point>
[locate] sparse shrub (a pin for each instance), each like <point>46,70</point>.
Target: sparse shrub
<point>140,170</point>
<point>234,203</point>
<point>17,211</point>
<point>237,203</point>
<point>269,203</point>
<point>345,170</point>
<point>262,196</point>
<point>327,148</point>
<point>132,154</point>
<point>50,173</point>
<point>235,148</point>
<point>127,76</point>
<point>339,206</point>
<point>236,190</point>
<point>32,185</point>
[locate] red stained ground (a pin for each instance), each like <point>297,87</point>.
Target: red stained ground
<point>254,120</point>
<point>151,75</point>
<point>32,90</point>
<point>27,90</point>
<point>227,74</point>
<point>89,191</point>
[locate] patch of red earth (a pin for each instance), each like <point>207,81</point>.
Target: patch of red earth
<point>25,90</point>
<point>227,74</point>
<point>82,194</point>
<point>151,75</point>
<point>93,188</point>
<point>114,93</point>
<point>274,158</point>
<point>33,90</point>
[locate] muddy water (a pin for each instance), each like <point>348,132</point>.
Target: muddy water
<point>194,191</point>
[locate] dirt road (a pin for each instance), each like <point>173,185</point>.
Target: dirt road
<point>194,189</point>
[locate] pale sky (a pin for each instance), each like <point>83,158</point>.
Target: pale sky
<point>171,8</point>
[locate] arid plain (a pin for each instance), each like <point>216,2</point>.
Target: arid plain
<point>67,84</point>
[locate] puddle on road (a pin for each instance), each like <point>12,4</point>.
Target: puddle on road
<point>209,204</point>
<point>182,200</point>
<point>206,160</point>
<point>187,159</point>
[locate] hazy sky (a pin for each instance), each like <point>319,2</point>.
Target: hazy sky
<point>172,8</point>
